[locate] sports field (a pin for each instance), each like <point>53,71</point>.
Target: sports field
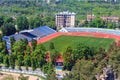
<point>62,42</point>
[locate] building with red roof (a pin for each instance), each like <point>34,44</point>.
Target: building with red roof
<point>90,17</point>
<point>59,59</point>
<point>110,19</point>
<point>115,19</point>
<point>59,63</point>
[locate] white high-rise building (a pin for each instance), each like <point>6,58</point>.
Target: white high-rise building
<point>114,0</point>
<point>47,1</point>
<point>105,0</point>
<point>65,19</point>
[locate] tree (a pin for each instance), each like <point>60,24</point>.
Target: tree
<point>8,29</point>
<point>19,46</point>
<point>9,20</point>
<point>25,41</point>
<point>12,41</point>
<point>12,59</point>
<point>33,43</point>
<point>43,47</point>
<point>27,61</point>
<point>51,24</point>
<point>51,76</point>
<point>49,21</point>
<point>1,20</point>
<point>54,56</point>
<point>83,70</point>
<point>6,61</point>
<point>85,24</point>
<point>68,60</point>
<point>22,23</point>
<point>111,25</point>
<point>48,68</point>
<point>31,23</point>
<point>35,22</point>
<point>39,54</point>
<point>19,61</point>
<point>102,54</point>
<point>38,21</point>
<point>98,23</point>
<point>82,51</point>
<point>1,58</point>
<point>52,46</point>
<point>28,50</point>
<point>1,40</point>
<point>3,48</point>
<point>41,60</point>
<point>33,63</point>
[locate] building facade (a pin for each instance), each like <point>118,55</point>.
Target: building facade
<point>110,19</point>
<point>105,18</point>
<point>47,1</point>
<point>90,17</point>
<point>65,19</point>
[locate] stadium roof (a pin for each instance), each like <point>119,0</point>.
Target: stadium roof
<point>35,33</point>
<point>99,30</point>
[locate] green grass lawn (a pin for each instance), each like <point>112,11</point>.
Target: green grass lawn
<point>62,42</point>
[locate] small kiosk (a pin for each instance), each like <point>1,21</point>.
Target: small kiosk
<point>59,63</point>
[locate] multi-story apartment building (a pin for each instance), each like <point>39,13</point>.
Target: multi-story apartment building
<point>65,19</point>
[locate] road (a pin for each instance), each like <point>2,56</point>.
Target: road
<point>24,71</point>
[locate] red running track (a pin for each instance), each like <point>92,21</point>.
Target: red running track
<point>49,37</point>
<point>92,34</point>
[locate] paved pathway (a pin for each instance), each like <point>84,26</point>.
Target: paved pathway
<point>23,71</point>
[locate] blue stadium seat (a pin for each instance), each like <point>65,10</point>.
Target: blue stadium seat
<point>42,31</point>
<point>108,31</point>
<point>35,33</point>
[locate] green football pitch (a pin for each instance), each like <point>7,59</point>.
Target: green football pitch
<point>62,42</point>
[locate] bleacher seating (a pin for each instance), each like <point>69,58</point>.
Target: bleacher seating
<point>42,31</point>
<point>35,33</point>
<point>5,38</point>
<point>100,30</point>
<point>20,36</point>
<point>28,34</point>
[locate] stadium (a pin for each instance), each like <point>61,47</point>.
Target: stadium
<point>93,37</point>
<point>44,33</point>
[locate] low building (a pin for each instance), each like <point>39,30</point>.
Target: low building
<point>59,63</point>
<point>90,17</point>
<point>110,19</point>
<point>105,18</point>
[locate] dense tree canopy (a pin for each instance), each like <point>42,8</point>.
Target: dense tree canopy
<point>98,23</point>
<point>1,20</point>
<point>8,29</point>
<point>22,23</point>
<point>83,61</point>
